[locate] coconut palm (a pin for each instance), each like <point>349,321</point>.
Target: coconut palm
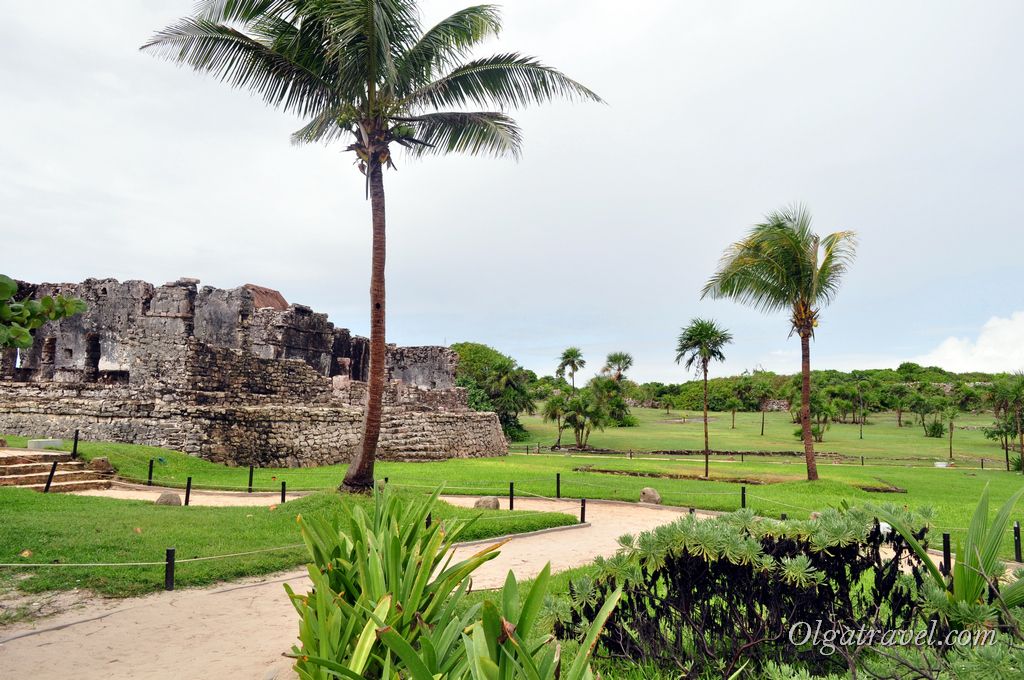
<point>699,344</point>
<point>617,364</point>
<point>554,411</point>
<point>366,71</point>
<point>784,266</point>
<point>572,361</point>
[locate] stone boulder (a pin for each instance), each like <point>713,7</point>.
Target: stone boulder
<point>650,495</point>
<point>168,498</point>
<point>102,465</point>
<point>487,503</point>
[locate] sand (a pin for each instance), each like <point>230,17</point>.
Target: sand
<point>240,630</point>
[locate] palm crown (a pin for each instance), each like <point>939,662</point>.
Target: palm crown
<point>701,343</point>
<point>783,265</point>
<point>618,363</point>
<point>366,68</point>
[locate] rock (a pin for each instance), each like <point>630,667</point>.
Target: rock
<point>40,444</point>
<point>487,503</point>
<point>168,498</point>
<point>650,495</point>
<point>815,515</point>
<point>102,465</point>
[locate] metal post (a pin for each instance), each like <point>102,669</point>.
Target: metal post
<point>188,489</point>
<point>693,511</point>
<point>583,511</point>
<point>149,482</point>
<point>558,485</point>
<point>862,461</point>
<point>49,478</point>
<point>982,463</point>
<point>283,487</point>
<point>743,496</point>
<point>74,446</point>
<point>741,456</point>
<point>169,570</point>
<point>783,517</point>
<point>385,480</point>
<point>1016,542</point>
<point>250,478</point>
<point>946,555</point>
<point>511,495</point>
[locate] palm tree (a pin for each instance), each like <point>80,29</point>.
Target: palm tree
<point>365,70</point>
<point>701,343</point>
<point>554,410</point>
<point>783,265</point>
<point>571,360</point>
<point>618,363</point>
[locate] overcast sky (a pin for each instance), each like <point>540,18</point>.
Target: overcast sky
<point>901,121</point>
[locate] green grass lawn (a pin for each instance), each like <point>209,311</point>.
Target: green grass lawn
<point>63,528</point>
<point>882,438</point>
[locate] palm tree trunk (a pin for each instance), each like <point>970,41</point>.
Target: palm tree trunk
<point>359,477</point>
<point>558,442</point>
<point>805,405</point>
<point>951,440</point>
<point>707,446</point>
<point>762,422</point>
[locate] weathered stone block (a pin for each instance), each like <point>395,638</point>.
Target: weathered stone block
<point>40,444</point>
<point>650,495</point>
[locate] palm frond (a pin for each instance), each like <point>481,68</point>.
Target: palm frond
<point>475,133</point>
<point>504,80</point>
<point>242,61</point>
<point>228,11</point>
<point>450,40</point>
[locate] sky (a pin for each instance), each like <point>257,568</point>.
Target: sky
<point>900,121</point>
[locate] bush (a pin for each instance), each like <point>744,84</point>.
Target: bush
<point>711,595</point>
<point>935,428</point>
<point>387,604</point>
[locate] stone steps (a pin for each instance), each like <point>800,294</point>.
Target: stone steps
<point>27,469</point>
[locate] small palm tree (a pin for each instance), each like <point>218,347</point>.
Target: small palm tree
<point>699,344</point>
<point>366,71</point>
<point>617,364</point>
<point>783,266</point>
<point>554,412</point>
<point>572,361</point>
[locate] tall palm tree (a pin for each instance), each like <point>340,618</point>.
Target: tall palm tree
<point>617,364</point>
<point>783,265</point>
<point>572,361</point>
<point>366,71</point>
<point>554,410</point>
<point>699,344</point>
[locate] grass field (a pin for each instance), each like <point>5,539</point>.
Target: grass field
<point>68,529</point>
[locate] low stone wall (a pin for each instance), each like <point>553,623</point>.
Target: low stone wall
<point>266,434</point>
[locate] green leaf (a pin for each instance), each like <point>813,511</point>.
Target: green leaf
<point>8,288</point>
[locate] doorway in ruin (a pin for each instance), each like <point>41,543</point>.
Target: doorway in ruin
<point>92,357</point>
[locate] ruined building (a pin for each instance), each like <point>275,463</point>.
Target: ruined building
<point>236,376</point>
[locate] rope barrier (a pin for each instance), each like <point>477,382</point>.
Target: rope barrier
<point>150,564</point>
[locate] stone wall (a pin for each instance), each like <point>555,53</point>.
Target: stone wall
<point>236,376</point>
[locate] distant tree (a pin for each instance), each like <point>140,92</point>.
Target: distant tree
<point>572,361</point>
<point>19,318</point>
<point>554,410</point>
<point>950,414</point>
<point>583,413</point>
<point>783,266</point>
<point>699,344</point>
<point>495,382</point>
<point>897,396</point>
<point>610,393</point>
<point>761,391</point>
<point>617,364</point>
<point>1003,430</point>
<point>733,404</point>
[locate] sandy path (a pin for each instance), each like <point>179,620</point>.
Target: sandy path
<point>240,630</point>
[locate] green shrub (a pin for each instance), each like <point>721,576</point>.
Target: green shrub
<point>935,428</point>
<point>386,604</point>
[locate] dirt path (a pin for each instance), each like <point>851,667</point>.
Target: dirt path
<point>239,630</point>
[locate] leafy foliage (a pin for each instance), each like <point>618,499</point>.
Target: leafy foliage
<point>495,382</point>
<point>387,602</point>
<point>709,595</point>
<point>18,318</point>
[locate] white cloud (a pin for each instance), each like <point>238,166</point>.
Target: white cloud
<point>998,347</point>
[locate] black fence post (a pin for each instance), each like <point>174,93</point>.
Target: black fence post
<point>783,517</point>
<point>743,496</point>
<point>693,511</point>
<point>188,489</point>
<point>1016,542</point>
<point>169,570</point>
<point>583,511</point>
<point>250,478</point>
<point>74,446</point>
<point>862,461</point>
<point>283,488</point>
<point>946,555</point>
<point>558,485</point>
<point>741,456</point>
<point>982,463</point>
<point>149,481</point>
<point>49,478</point>
<point>511,495</point>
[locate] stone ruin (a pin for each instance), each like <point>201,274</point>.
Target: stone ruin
<point>235,376</point>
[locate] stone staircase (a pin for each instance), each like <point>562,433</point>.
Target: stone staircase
<point>28,469</point>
